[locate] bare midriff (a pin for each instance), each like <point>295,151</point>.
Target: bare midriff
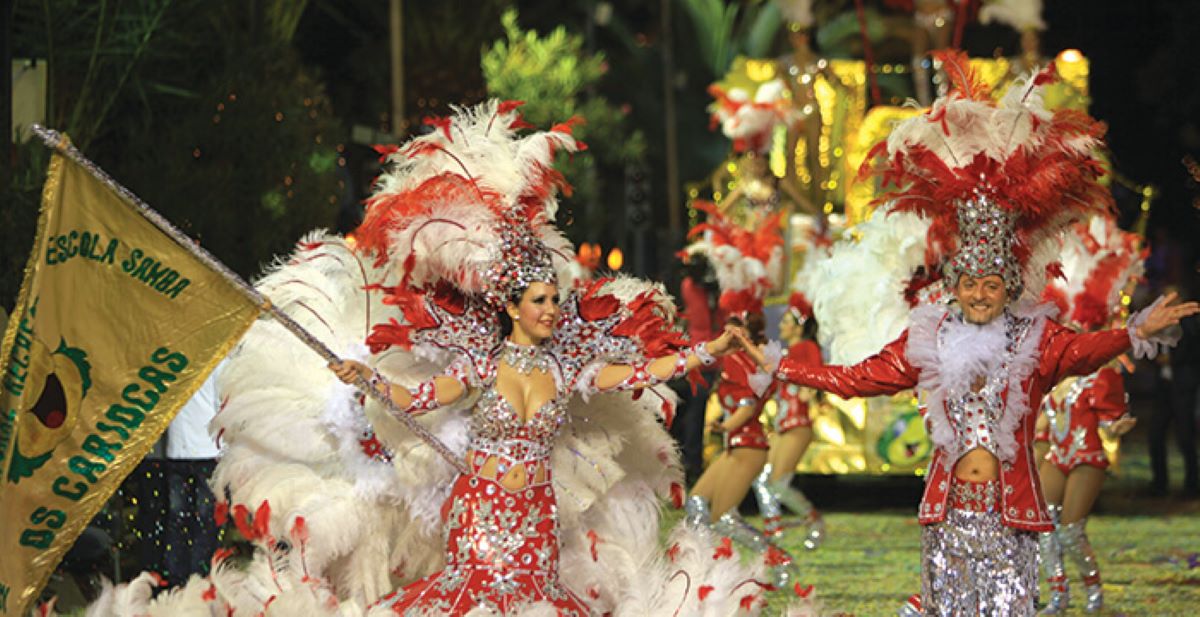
<point>516,478</point>
<point>977,465</point>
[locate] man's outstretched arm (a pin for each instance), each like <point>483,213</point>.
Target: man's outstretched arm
<point>886,372</point>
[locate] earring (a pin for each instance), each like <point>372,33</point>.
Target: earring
<point>517,318</point>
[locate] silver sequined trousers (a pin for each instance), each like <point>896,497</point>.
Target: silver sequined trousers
<point>972,565</point>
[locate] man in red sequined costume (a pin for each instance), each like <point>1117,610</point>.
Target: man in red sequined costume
<point>976,169</point>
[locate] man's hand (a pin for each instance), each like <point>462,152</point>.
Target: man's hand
<point>1165,314</point>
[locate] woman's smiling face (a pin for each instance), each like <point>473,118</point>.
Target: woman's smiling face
<point>535,315</point>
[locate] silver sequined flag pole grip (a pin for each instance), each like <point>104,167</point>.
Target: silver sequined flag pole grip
<point>60,144</point>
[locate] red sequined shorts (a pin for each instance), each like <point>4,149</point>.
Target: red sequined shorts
<point>749,435</point>
<point>1093,458</point>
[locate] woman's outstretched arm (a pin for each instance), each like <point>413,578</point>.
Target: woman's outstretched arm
<point>429,395</point>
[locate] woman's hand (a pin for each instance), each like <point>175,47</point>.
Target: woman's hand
<point>1165,315</point>
<point>347,370</point>
<point>743,337</point>
<point>1122,425</point>
<point>715,426</point>
<point>727,343</point>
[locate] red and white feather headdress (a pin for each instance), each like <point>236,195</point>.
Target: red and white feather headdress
<point>1099,262</point>
<point>472,204</point>
<point>747,262</point>
<point>998,180</point>
<point>466,215</point>
<point>748,119</point>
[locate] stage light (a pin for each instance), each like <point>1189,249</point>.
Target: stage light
<point>616,259</point>
<point>1071,55</point>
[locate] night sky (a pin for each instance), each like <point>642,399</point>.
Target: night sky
<point>1144,73</point>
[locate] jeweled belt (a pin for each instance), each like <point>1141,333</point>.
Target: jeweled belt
<point>974,496</point>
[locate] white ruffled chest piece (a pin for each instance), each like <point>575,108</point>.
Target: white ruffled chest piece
<point>972,377</point>
<point>968,352</point>
<point>975,362</point>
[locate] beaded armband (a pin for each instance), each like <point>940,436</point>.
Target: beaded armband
<point>641,377</point>
<point>701,352</point>
<point>424,398</point>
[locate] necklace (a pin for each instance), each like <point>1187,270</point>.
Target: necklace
<point>525,358</point>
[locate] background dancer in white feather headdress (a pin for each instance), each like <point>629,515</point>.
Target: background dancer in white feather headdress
<point>746,263</point>
<point>998,181</point>
<point>749,115</point>
<point>1100,264</point>
<point>342,502</point>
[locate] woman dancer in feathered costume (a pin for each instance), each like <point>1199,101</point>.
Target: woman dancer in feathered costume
<point>1100,261</point>
<point>510,343</point>
<point>998,182</point>
<point>552,501</point>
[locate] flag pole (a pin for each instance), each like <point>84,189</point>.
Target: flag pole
<point>62,145</point>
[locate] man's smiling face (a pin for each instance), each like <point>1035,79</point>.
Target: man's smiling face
<point>982,299</point>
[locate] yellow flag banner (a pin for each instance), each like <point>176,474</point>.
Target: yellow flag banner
<point>116,326</point>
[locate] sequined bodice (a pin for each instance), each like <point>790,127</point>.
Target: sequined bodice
<point>1059,413</point>
<point>976,416</point>
<point>497,428</point>
<point>733,391</point>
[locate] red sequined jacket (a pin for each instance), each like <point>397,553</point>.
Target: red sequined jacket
<point>1060,352</point>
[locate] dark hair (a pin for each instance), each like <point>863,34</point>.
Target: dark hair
<point>808,326</point>
<point>755,325</point>
<point>506,322</point>
<point>810,329</point>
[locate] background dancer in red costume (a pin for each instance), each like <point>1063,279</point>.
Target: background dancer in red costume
<point>793,433</point>
<point>746,264</point>
<point>1100,261</point>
